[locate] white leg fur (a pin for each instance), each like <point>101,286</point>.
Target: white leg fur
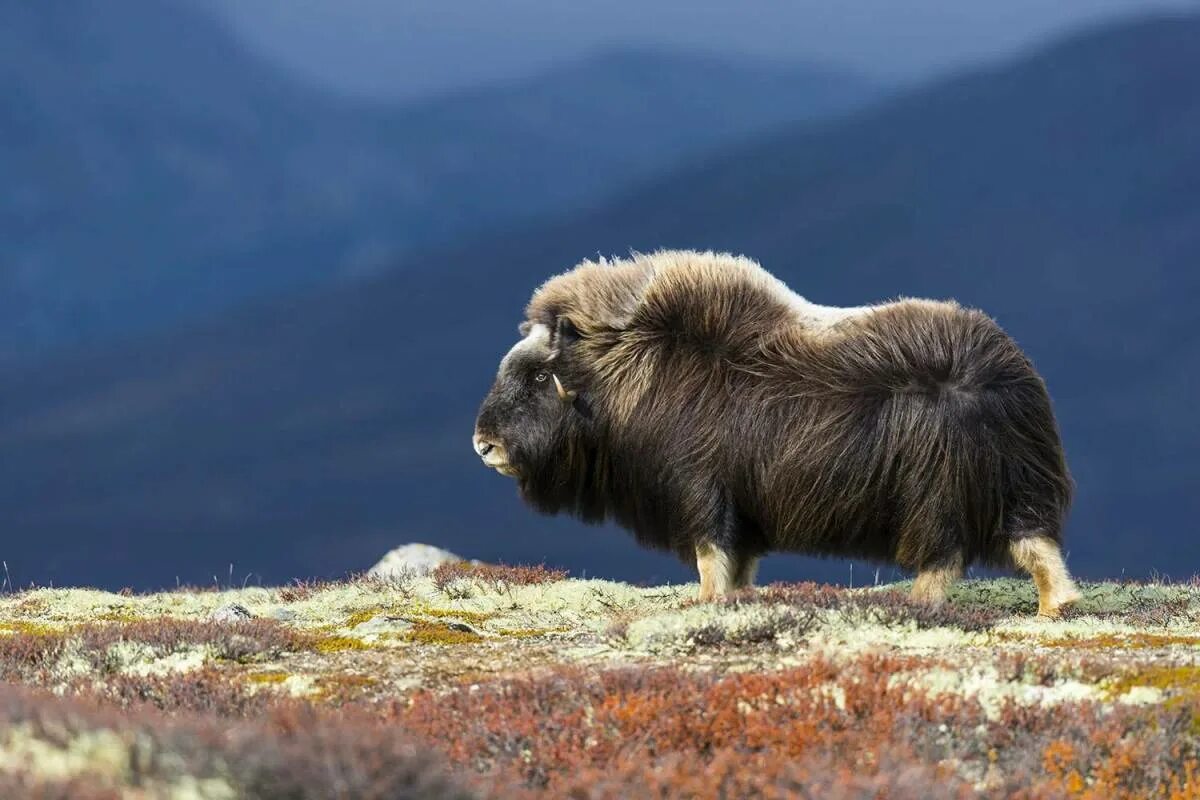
<point>716,572</point>
<point>1043,560</point>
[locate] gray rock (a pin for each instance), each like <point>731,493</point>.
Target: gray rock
<point>284,614</point>
<point>465,627</point>
<point>233,612</point>
<point>409,559</point>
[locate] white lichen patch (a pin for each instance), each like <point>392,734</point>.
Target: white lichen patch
<point>102,758</point>
<point>101,753</point>
<point>1076,627</point>
<point>299,685</point>
<point>488,608</point>
<point>1141,696</point>
<point>134,658</point>
<point>581,604</point>
<point>1090,628</point>
<point>72,663</point>
<point>188,787</point>
<point>836,636</point>
<point>688,628</point>
<point>984,684</point>
<point>91,605</point>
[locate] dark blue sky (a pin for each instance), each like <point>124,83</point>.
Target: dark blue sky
<point>402,48</point>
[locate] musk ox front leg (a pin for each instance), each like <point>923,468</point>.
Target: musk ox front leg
<point>718,571</point>
<point>727,551</point>
<point>934,579</point>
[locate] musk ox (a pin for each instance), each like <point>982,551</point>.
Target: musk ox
<point>696,400</point>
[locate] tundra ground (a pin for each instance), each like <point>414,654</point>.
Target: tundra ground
<point>482,681</point>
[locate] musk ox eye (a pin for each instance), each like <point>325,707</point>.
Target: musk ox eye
<point>541,376</point>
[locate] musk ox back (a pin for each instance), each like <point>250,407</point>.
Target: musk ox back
<point>697,401</point>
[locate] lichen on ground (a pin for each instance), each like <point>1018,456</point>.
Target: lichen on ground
<point>1128,654</point>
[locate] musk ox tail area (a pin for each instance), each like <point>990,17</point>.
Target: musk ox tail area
<point>968,444</point>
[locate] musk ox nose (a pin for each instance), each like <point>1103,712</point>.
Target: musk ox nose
<point>492,451</point>
<point>481,446</point>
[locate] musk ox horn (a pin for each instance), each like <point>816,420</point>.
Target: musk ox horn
<point>563,394</point>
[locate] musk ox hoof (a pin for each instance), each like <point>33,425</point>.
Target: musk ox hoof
<point>708,595</point>
<point>1054,607</point>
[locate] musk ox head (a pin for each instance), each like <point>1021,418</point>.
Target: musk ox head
<point>527,419</point>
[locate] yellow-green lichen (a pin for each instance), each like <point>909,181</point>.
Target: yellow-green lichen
<point>1128,641</point>
<point>268,677</point>
<point>342,688</point>
<point>30,628</point>
<point>336,644</point>
<point>1180,684</point>
<point>473,617</point>
<point>436,633</point>
<point>530,633</point>
<point>359,617</point>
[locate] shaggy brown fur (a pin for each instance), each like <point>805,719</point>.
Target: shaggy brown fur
<point>719,415</point>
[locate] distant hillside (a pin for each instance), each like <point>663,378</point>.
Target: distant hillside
<point>154,170</point>
<point>1061,193</point>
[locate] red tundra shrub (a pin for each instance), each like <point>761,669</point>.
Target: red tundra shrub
<point>28,657</point>
<point>292,752</point>
<point>855,729</point>
<point>496,576</point>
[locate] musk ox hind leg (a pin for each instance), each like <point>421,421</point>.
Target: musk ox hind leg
<point>745,570</point>
<point>718,571</point>
<point>1041,557</point>
<point>934,579</point>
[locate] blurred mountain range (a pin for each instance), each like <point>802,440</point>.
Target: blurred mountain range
<point>307,435</point>
<point>155,170</point>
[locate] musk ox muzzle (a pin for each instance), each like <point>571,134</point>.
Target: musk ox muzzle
<point>519,420</point>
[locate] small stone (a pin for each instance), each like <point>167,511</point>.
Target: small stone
<point>411,559</point>
<point>283,614</point>
<point>234,612</point>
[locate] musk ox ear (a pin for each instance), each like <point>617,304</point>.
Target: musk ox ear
<point>565,332</point>
<point>524,328</point>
